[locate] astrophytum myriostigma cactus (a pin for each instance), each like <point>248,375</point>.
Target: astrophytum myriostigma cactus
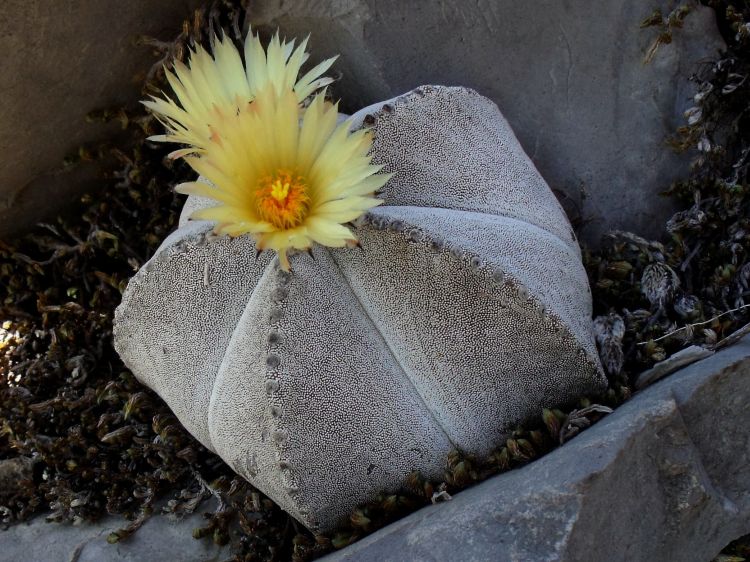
<point>464,311</point>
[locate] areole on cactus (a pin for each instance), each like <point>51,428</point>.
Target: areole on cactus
<point>464,311</point>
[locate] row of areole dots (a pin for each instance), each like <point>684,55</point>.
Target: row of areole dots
<point>274,337</point>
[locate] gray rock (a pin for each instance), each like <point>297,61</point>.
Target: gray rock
<point>569,76</point>
<point>60,61</point>
<point>665,477</point>
<point>159,540</point>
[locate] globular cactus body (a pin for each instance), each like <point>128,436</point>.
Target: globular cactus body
<point>465,311</point>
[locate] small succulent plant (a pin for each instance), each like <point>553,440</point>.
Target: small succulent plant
<point>325,377</point>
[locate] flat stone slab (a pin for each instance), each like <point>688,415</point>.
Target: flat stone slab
<point>665,477</point>
<point>159,540</point>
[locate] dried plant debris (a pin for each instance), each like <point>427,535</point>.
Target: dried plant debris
<point>666,24</point>
<point>693,288</point>
<point>80,437</point>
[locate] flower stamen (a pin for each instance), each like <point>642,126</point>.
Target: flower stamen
<point>282,199</point>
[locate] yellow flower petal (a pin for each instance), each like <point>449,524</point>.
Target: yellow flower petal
<point>214,85</point>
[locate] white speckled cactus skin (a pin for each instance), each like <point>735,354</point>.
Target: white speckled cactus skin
<point>465,311</point>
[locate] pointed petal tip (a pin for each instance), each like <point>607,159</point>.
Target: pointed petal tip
<point>158,138</point>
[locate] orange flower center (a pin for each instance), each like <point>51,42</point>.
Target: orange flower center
<point>282,199</point>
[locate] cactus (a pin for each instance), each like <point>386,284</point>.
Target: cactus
<point>464,312</point>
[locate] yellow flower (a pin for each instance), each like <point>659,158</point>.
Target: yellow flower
<point>287,182</point>
<point>287,176</point>
<point>210,87</point>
